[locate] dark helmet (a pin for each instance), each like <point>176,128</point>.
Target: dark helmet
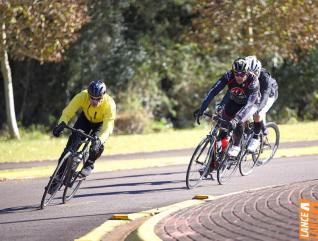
<point>96,88</point>
<point>240,65</point>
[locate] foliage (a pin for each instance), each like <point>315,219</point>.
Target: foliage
<point>41,29</point>
<point>298,87</point>
<point>159,58</point>
<point>256,27</point>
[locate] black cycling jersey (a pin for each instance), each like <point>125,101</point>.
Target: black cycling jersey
<point>268,87</point>
<point>245,95</point>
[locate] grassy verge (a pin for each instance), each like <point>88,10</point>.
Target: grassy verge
<point>46,147</point>
<point>103,166</point>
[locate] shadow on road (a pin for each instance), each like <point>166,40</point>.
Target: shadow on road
<point>57,218</point>
<point>136,184</point>
<point>20,209</point>
<point>131,176</point>
<point>130,192</point>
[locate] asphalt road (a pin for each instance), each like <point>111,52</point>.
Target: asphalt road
<point>104,194</point>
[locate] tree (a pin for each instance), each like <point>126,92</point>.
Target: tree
<point>261,27</point>
<point>37,29</point>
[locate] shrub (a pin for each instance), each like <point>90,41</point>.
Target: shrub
<point>132,122</point>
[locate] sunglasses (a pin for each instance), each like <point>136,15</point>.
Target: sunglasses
<point>240,74</point>
<point>95,98</point>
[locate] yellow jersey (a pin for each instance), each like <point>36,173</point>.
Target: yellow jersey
<point>104,112</point>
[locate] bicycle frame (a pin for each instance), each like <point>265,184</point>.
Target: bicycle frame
<point>213,134</point>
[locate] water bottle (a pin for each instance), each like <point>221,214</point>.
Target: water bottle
<point>77,159</point>
<point>225,142</point>
<point>219,146</point>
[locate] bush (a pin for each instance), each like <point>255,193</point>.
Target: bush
<point>132,122</point>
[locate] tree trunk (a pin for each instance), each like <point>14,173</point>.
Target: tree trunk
<point>8,88</point>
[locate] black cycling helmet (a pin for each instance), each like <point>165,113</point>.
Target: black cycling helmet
<point>240,65</point>
<point>96,88</point>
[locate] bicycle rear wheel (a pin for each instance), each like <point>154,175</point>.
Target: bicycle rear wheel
<point>199,165</point>
<point>73,181</point>
<point>270,144</point>
<point>54,185</point>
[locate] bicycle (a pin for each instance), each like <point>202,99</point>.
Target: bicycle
<point>246,160</point>
<point>71,177</point>
<point>206,157</point>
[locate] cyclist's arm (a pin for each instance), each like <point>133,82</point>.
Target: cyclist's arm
<point>71,109</point>
<point>265,91</point>
<point>252,98</point>
<point>108,122</point>
<point>225,98</point>
<point>216,88</point>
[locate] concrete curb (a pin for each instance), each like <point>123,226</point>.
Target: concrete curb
<point>121,219</point>
<point>145,232</point>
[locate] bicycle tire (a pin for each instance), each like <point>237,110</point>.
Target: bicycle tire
<point>195,166</point>
<point>227,168</point>
<point>44,201</point>
<point>71,185</point>
<point>246,165</point>
<point>269,145</point>
<point>68,196</point>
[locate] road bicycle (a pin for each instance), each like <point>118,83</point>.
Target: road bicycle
<point>246,161</point>
<point>207,155</point>
<point>209,160</point>
<point>71,177</point>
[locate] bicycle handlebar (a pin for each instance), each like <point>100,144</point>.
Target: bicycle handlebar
<point>80,132</point>
<point>217,118</point>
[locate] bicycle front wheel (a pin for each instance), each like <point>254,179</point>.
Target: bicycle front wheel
<point>73,181</point>
<point>227,167</point>
<point>199,165</point>
<point>248,162</point>
<point>270,143</point>
<point>54,184</point>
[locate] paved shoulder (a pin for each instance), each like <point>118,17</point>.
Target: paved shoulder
<point>266,214</point>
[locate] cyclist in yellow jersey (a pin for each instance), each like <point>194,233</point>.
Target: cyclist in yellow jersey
<point>98,115</point>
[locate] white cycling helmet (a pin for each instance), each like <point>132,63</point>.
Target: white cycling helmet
<point>255,65</point>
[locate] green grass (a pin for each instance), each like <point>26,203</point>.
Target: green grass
<point>45,147</point>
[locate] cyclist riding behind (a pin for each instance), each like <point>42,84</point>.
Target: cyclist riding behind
<point>269,94</point>
<point>98,115</point>
<point>244,97</point>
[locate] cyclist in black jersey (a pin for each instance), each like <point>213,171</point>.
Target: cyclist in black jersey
<point>243,99</point>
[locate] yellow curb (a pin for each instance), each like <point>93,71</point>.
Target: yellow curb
<point>201,197</point>
<point>122,219</point>
<point>115,221</point>
<point>146,231</point>
<point>98,233</point>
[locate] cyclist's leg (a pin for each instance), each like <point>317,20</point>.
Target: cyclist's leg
<point>93,155</point>
<point>252,146</point>
<point>260,117</point>
<point>81,123</point>
<point>230,109</point>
